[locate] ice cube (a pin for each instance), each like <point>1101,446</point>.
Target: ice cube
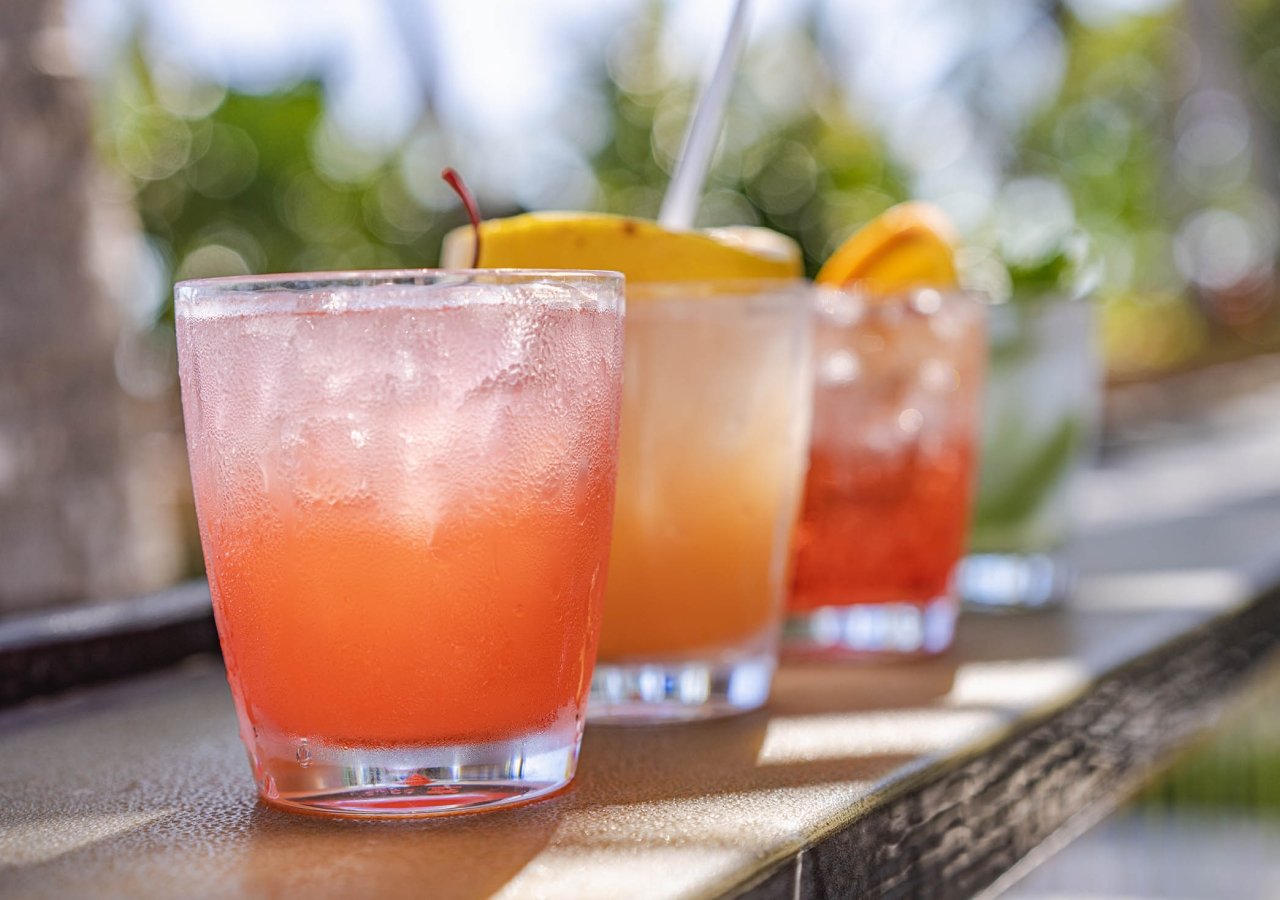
<point>327,458</point>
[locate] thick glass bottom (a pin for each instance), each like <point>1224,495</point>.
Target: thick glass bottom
<point>310,776</point>
<point>651,693</point>
<point>1009,582</point>
<point>872,630</point>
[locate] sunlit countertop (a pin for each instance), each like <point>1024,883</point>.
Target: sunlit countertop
<point>934,777</point>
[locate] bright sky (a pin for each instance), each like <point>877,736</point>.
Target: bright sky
<point>500,65</point>
<point>506,80</point>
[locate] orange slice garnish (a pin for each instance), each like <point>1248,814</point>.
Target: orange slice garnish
<point>907,246</point>
<point>642,250</point>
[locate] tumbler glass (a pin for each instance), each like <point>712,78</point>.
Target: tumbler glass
<point>1040,412</point>
<point>405,487</point>
<point>891,472</point>
<point>715,424</point>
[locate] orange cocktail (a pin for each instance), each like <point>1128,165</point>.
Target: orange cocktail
<point>344,623</point>
<point>405,485</point>
<point>715,420</point>
<point>715,424</point>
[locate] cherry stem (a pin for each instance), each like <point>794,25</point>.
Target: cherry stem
<point>454,180</point>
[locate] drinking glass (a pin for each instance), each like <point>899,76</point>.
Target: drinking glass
<point>715,424</point>
<point>1043,397</point>
<point>891,471</point>
<point>405,487</point>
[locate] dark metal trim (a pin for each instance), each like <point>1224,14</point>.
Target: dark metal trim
<point>49,652</point>
<point>954,831</point>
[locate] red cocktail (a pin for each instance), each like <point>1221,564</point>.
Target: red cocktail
<point>891,472</point>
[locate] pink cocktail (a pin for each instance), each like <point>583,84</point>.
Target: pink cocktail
<point>405,485</point>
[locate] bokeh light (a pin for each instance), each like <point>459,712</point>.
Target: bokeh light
<point>311,135</point>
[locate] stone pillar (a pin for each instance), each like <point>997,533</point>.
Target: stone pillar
<point>69,529</point>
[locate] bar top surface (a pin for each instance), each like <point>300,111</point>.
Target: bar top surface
<point>141,789</point>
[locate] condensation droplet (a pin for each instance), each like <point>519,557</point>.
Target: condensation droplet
<point>840,367</point>
<point>927,302</point>
<point>303,754</point>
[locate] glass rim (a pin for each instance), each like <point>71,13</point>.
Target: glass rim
<point>904,296</point>
<point>424,277</point>
<point>716,296</point>
<point>1044,301</point>
<point>833,302</point>
<point>711,287</point>
<point>844,306</point>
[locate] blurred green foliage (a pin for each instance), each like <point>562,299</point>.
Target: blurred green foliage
<point>230,182</point>
<point>1238,768</point>
<point>813,173</point>
<point>1260,35</point>
<point>243,187</point>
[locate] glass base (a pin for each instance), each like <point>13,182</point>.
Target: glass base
<point>872,630</point>
<point>1008,582</point>
<point>652,693</point>
<point>413,782</point>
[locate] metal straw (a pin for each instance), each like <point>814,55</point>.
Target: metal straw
<point>680,205</point>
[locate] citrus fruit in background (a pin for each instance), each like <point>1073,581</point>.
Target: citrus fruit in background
<point>639,248</point>
<point>908,245</point>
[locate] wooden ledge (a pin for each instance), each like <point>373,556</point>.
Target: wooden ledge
<point>929,779</point>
